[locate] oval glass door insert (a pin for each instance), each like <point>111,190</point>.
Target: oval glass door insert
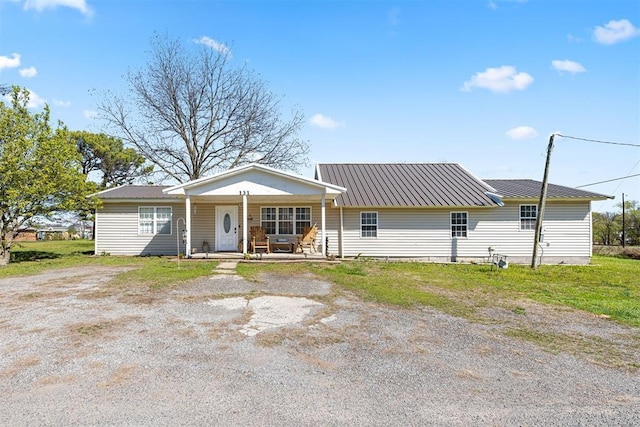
<point>227,223</point>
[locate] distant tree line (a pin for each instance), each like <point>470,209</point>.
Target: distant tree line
<point>607,226</point>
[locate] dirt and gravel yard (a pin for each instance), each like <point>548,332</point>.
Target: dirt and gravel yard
<point>76,350</point>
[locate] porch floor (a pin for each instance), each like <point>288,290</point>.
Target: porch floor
<point>273,256</point>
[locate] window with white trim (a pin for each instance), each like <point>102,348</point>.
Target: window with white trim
<point>285,220</point>
<point>368,224</point>
<point>459,224</point>
<point>154,220</point>
<point>303,219</point>
<point>528,217</point>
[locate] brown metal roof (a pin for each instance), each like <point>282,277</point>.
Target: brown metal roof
<point>528,188</point>
<point>406,185</point>
<point>136,192</point>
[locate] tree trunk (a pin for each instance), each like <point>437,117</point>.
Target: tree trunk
<point>4,258</point>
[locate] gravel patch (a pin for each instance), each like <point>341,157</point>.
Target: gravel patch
<point>177,358</point>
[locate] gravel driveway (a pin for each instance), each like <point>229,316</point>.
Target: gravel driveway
<point>76,351</point>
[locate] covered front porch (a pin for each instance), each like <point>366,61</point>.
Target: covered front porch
<point>221,210</point>
<point>260,256</point>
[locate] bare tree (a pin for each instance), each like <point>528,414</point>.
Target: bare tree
<point>191,112</point>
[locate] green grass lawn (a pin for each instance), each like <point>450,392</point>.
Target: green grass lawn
<point>610,286</point>
<point>29,258</point>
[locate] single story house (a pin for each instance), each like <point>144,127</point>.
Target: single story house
<point>26,234</point>
<point>426,211</point>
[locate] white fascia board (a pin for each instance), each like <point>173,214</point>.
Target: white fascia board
<point>139,201</point>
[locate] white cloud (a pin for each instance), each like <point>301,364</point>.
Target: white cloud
<point>40,5</point>
<point>615,32</point>
<point>522,132</point>
<point>90,114</point>
<point>324,122</point>
<point>7,62</point>
<point>568,66</point>
<point>573,39</point>
<point>493,4</point>
<point>59,103</point>
<point>500,79</point>
<point>213,44</point>
<point>28,72</point>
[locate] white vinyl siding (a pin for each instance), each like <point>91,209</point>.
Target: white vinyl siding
<point>426,234</point>
<point>118,225</point>
<point>402,233</point>
<point>203,226</point>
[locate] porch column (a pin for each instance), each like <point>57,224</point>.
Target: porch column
<point>244,223</point>
<point>187,250</point>
<point>324,225</point>
<point>341,236</point>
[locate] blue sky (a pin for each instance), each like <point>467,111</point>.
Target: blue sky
<point>482,83</point>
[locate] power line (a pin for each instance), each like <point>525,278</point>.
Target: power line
<point>634,166</point>
<point>609,180</point>
<point>598,141</point>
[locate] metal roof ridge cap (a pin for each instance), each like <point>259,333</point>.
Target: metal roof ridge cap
<point>474,176</point>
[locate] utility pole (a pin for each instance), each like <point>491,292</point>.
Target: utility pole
<point>624,236</point>
<point>542,202</point>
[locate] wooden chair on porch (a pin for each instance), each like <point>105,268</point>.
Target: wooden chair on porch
<point>308,239</point>
<point>259,239</point>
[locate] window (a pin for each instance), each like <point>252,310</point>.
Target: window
<point>528,216</point>
<point>285,220</point>
<point>368,224</point>
<point>459,224</point>
<point>303,219</point>
<point>268,220</point>
<point>154,220</point>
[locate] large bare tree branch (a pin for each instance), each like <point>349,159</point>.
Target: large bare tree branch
<point>190,112</point>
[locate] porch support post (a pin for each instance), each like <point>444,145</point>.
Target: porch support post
<point>244,223</point>
<point>324,225</point>
<point>341,236</point>
<point>187,250</point>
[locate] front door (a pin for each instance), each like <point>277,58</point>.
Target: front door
<point>226,228</point>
